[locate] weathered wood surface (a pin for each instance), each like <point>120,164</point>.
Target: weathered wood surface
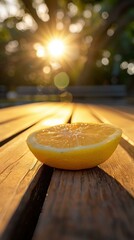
<point>91,204</point>
<point>37,113</point>
<point>120,118</point>
<point>82,113</point>
<point>11,113</point>
<point>95,203</point>
<point>86,205</point>
<point>18,168</point>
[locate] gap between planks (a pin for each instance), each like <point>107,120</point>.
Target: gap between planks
<point>22,223</point>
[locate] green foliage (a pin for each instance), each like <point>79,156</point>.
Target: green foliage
<point>4,35</point>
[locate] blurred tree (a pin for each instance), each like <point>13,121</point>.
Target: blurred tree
<point>98,35</point>
<point>102,37</point>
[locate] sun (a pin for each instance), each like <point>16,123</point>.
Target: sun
<point>56,48</point>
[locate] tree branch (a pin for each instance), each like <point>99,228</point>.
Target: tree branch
<point>121,26</point>
<point>114,15</point>
<point>86,75</point>
<point>32,11</point>
<point>52,6</point>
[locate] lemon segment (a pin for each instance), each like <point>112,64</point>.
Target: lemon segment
<point>74,146</point>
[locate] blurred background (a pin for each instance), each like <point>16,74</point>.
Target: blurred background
<point>62,43</point>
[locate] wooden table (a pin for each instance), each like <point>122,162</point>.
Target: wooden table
<point>38,202</point>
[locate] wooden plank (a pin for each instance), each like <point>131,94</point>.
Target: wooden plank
<point>82,114</point>
<point>118,118</point>
<point>122,158</point>
<point>9,129</point>
<point>86,205</point>
<point>11,113</point>
<point>126,109</point>
<point>91,204</point>
<point>18,168</point>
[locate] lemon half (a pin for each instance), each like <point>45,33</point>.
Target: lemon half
<point>74,146</point>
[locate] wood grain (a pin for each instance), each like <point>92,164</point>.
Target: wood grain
<point>9,129</point>
<point>121,164</point>
<point>82,113</point>
<point>18,168</point>
<point>118,118</point>
<point>86,205</point>
<point>129,110</point>
<point>91,204</point>
<point>10,113</point>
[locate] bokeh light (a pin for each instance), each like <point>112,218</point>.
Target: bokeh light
<point>105,15</point>
<point>40,52</point>
<point>65,43</point>
<point>130,69</point>
<point>105,61</point>
<point>97,8</point>
<point>46,69</point>
<point>124,65</point>
<point>106,54</point>
<point>73,9</point>
<point>61,80</point>
<point>87,13</point>
<point>110,32</point>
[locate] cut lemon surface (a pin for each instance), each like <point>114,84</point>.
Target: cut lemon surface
<point>74,146</point>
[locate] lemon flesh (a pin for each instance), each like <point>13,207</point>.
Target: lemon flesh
<point>74,146</point>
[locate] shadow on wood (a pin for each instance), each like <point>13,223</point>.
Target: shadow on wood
<point>86,204</point>
<point>23,222</point>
